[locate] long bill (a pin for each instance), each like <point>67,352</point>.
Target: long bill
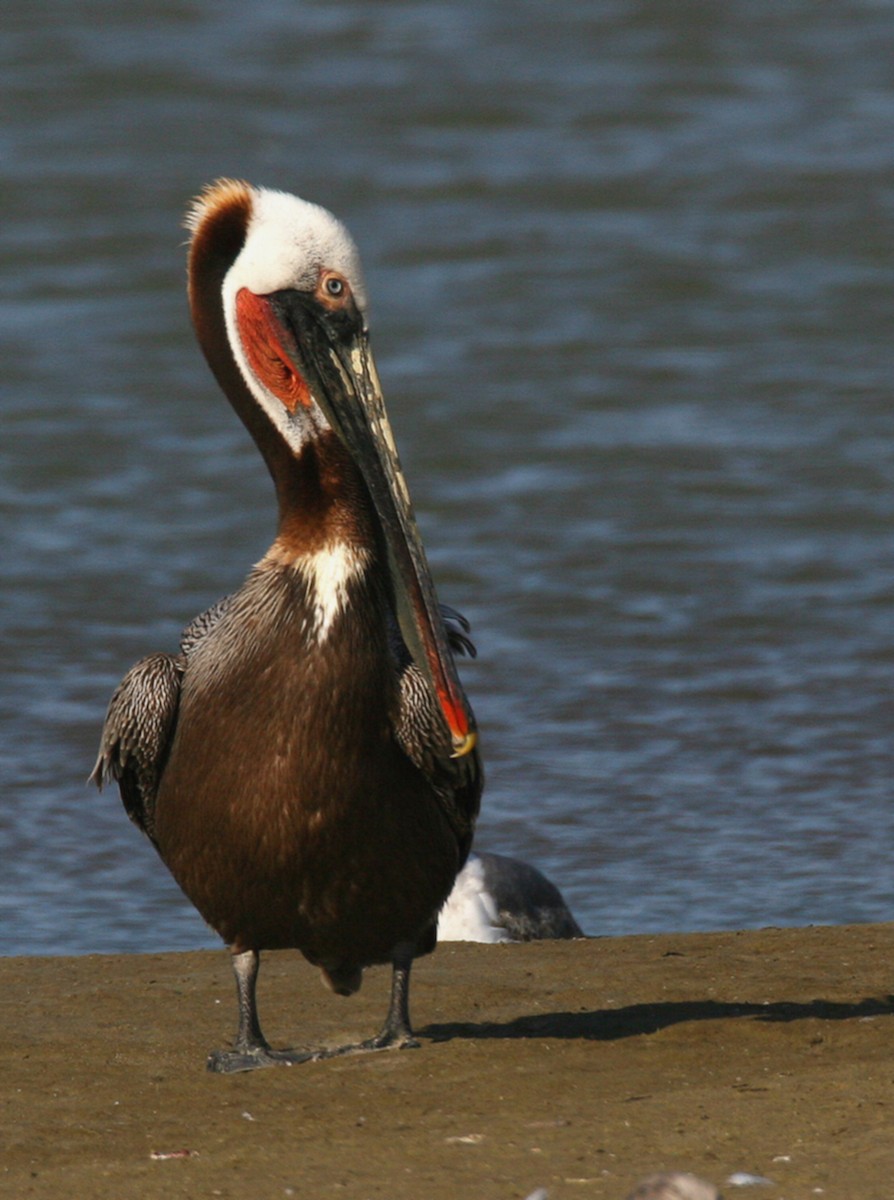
<point>360,420</point>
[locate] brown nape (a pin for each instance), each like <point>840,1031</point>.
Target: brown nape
<point>216,206</point>
<point>322,500</point>
<point>219,220</point>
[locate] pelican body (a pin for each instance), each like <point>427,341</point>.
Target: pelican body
<point>306,765</point>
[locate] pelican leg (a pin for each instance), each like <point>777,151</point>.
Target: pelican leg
<point>251,1049</point>
<point>396,1033</point>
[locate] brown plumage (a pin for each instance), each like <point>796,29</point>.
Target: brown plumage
<point>306,765</point>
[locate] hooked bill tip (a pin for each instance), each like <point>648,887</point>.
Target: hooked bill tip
<point>464,745</point>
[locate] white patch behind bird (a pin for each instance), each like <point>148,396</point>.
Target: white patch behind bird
<point>470,913</point>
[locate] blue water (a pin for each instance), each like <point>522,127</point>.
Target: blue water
<point>631,273</point>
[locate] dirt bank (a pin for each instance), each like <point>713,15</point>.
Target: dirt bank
<point>575,1066</point>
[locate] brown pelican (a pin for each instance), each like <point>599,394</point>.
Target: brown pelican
<point>306,765</point>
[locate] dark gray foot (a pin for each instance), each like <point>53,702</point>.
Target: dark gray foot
<point>390,1039</point>
<point>229,1062</point>
<point>382,1041</point>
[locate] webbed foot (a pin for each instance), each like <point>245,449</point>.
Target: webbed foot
<point>230,1062</point>
<point>386,1040</point>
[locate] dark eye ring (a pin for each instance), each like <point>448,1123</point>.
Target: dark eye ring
<point>335,286</point>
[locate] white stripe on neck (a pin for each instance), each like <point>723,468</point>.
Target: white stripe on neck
<point>327,574</point>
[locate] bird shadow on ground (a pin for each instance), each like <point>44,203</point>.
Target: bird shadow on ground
<point>609,1024</point>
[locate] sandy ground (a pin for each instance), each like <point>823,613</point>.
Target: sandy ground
<point>577,1067</point>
